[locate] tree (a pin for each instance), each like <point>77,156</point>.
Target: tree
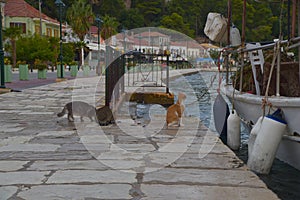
<point>13,33</point>
<point>80,16</point>
<point>132,19</point>
<point>44,49</point>
<point>262,16</point>
<point>190,11</point>
<point>110,7</point>
<point>152,10</point>
<point>35,47</point>
<point>175,22</point>
<point>69,52</point>
<point>109,27</point>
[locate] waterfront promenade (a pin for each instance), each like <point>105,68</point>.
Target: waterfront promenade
<point>46,157</point>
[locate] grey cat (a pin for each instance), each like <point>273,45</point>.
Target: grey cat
<point>78,108</point>
<point>103,115</point>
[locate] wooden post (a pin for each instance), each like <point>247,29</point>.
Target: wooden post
<point>229,22</point>
<point>294,15</point>
<point>244,23</point>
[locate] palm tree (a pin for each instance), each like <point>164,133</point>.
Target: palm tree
<point>12,34</point>
<point>80,16</point>
<point>109,27</point>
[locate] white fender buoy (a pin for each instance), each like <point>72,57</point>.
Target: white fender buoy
<point>253,134</point>
<point>266,145</point>
<point>234,131</point>
<point>235,37</point>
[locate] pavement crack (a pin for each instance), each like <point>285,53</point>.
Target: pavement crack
<point>47,176</point>
<point>136,191</point>
<point>153,143</point>
<point>27,165</point>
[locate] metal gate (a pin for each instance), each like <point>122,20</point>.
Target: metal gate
<point>135,69</point>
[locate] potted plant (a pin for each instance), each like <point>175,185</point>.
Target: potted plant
<point>59,69</point>
<point>7,70</point>
<point>42,69</point>
<point>74,68</point>
<point>23,70</point>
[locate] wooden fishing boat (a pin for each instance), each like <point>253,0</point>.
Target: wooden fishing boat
<point>273,84</point>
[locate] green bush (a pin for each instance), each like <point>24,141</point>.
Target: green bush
<point>41,66</point>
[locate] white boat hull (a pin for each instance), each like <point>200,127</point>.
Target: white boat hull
<point>249,108</point>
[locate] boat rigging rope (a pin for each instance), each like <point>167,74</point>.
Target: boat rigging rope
<point>275,56</point>
<point>220,74</point>
<point>219,70</point>
<point>265,99</point>
<point>233,93</point>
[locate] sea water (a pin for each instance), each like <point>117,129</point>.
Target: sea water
<point>283,179</point>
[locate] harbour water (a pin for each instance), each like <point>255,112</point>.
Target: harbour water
<point>201,89</point>
<point>283,179</point>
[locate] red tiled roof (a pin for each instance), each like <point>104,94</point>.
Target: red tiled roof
<point>19,8</point>
<point>137,41</point>
<point>190,44</point>
<point>93,29</point>
<point>150,34</point>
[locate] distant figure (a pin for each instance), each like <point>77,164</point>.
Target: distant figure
<point>175,111</point>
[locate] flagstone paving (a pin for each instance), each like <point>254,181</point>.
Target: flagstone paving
<point>46,157</point>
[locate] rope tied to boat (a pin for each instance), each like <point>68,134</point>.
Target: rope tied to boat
<point>264,104</point>
<point>219,69</point>
<point>265,101</point>
<point>277,47</point>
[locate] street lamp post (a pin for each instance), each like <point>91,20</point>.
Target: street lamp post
<point>99,69</point>
<point>60,6</point>
<point>124,38</point>
<point>1,47</point>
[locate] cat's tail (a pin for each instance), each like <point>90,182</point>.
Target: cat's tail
<point>63,112</point>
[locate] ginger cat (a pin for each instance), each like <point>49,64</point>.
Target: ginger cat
<point>175,111</point>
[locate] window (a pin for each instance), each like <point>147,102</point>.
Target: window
<point>37,29</point>
<point>56,34</point>
<point>21,25</point>
<point>49,32</point>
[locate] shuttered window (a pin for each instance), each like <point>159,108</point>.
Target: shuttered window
<point>21,25</point>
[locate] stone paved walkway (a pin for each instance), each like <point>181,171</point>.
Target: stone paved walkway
<point>43,157</point>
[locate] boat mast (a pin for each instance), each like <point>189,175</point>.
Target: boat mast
<point>294,14</point>
<point>243,43</point>
<point>226,58</point>
<point>244,23</point>
<point>229,22</point>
